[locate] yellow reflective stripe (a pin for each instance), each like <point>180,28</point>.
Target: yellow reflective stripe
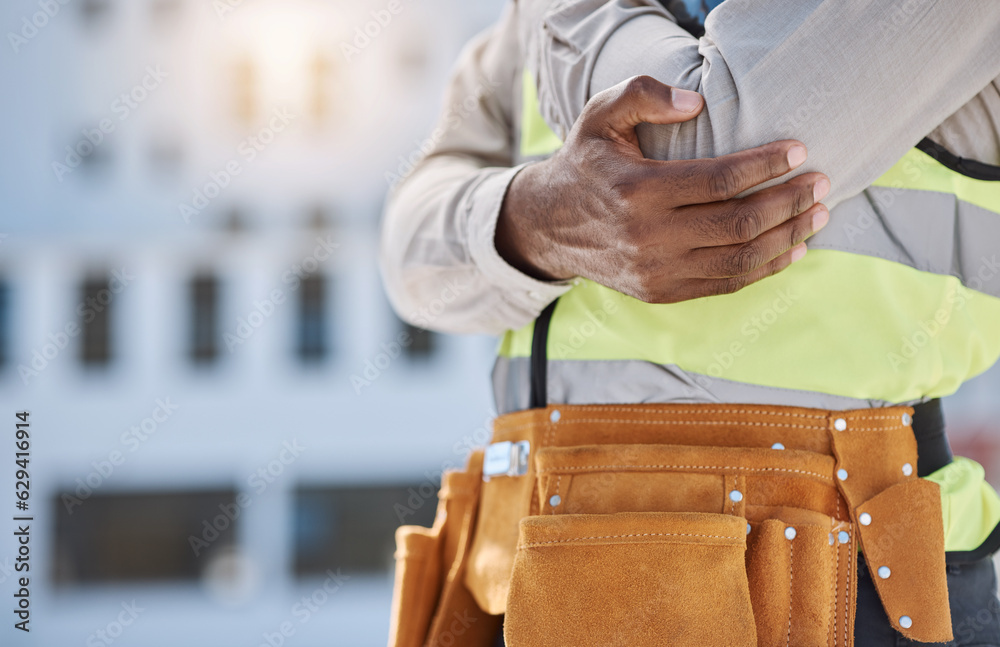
<point>919,171</point>
<point>969,505</point>
<point>536,136</point>
<point>835,322</point>
<point>517,343</point>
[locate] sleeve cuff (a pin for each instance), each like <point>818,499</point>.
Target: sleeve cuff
<point>482,210</point>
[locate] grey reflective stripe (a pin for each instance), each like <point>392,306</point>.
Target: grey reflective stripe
<point>637,381</point>
<point>512,383</point>
<point>926,230</point>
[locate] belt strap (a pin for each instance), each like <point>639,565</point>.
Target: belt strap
<point>933,450</point>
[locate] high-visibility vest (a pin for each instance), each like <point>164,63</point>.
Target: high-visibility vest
<point>896,302</point>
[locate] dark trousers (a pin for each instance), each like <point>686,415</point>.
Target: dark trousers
<point>975,610</point>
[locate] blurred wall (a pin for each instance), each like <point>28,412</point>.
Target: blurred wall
<point>191,312</point>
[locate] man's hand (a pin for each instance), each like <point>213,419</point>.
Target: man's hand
<point>660,231</point>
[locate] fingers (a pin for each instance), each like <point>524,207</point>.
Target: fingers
<point>754,232</point>
<point>743,260</point>
<point>714,287</point>
<point>742,220</point>
<point>723,178</point>
<point>637,100</point>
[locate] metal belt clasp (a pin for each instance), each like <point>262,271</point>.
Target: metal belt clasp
<point>506,459</point>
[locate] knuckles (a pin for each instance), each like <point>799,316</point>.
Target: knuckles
<point>624,194</point>
<point>731,285</point>
<point>640,88</point>
<point>723,181</point>
<point>746,259</point>
<point>745,223</point>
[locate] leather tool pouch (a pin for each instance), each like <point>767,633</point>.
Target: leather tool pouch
<point>630,579</point>
<point>431,605</point>
<point>654,544</point>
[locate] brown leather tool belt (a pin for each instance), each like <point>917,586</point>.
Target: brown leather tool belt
<point>680,524</point>
<point>705,525</point>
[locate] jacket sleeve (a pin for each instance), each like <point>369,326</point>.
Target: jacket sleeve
<point>859,83</point>
<point>438,261</point>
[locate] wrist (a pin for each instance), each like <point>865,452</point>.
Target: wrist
<point>522,235</point>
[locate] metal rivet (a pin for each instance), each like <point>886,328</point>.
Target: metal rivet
<point>735,496</point>
<point>555,415</point>
<point>555,500</point>
<point>843,537</point>
<point>789,533</point>
<point>884,572</point>
<point>907,469</point>
<point>831,539</point>
<point>865,519</point>
<point>777,446</point>
<point>748,529</point>
<point>842,474</point>
<point>840,424</point>
<point>907,420</point>
<point>905,622</point>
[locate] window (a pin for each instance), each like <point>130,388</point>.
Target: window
<point>203,292</point>
<point>83,156</point>
<point>412,54</point>
<point>165,11</point>
<point>245,86</point>
<point>166,156</point>
<point>312,346</point>
<point>319,100</point>
<point>94,11</point>
<point>4,323</point>
<point>235,222</point>
<point>96,300</point>
<point>354,527</point>
<point>423,343</point>
<point>320,219</point>
<point>140,536</point>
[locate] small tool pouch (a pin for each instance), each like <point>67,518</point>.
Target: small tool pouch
<point>799,577</point>
<point>431,605</point>
<point>630,579</point>
<point>417,584</point>
<point>507,496</point>
<point>897,517</point>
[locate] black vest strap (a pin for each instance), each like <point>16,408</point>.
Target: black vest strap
<point>539,397</point>
<point>969,168</point>
<point>933,450</point>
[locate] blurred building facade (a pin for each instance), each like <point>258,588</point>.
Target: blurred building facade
<point>228,421</point>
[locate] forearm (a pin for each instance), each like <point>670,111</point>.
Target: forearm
<point>857,96</point>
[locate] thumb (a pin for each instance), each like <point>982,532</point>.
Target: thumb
<point>643,99</point>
